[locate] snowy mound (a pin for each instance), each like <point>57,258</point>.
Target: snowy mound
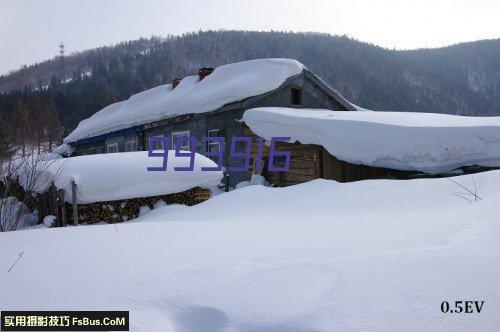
<point>427,142</point>
<point>310,257</point>
<point>227,84</point>
<point>113,176</point>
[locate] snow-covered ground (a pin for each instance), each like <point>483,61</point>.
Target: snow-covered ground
<point>320,256</point>
<point>427,142</point>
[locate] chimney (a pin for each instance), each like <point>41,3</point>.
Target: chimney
<point>175,82</point>
<point>204,72</point>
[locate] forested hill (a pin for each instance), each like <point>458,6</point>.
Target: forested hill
<point>459,79</point>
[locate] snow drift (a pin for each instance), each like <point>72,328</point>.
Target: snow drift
<point>227,84</point>
<point>113,176</point>
<point>427,142</point>
<point>310,257</point>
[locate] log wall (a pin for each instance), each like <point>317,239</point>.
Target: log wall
<point>341,171</point>
<point>309,162</point>
<point>305,162</point>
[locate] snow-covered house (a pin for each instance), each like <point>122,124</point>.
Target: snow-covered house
<point>350,146</point>
<point>211,103</point>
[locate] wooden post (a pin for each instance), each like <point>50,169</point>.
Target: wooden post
<point>75,205</point>
<point>51,203</point>
<point>58,212</point>
<point>226,182</point>
<point>62,208</point>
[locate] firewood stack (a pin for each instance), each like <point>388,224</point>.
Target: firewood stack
<point>126,209</point>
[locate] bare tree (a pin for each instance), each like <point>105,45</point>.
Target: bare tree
<point>470,193</point>
<point>24,168</point>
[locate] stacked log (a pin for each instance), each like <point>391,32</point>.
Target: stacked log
<point>127,209</point>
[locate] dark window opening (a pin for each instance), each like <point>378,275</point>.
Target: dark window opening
<point>296,96</point>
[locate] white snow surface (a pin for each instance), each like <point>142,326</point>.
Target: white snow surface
<point>227,84</point>
<point>428,142</point>
<point>113,176</point>
<point>377,255</point>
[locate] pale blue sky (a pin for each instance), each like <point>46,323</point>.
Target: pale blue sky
<point>31,30</point>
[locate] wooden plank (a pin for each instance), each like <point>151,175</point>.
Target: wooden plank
<point>302,171</point>
<point>298,178</point>
<point>302,163</point>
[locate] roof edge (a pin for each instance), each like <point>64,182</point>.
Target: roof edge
<point>337,96</point>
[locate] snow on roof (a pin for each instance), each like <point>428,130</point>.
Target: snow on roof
<point>427,142</point>
<point>227,84</point>
<point>113,176</point>
<point>64,149</point>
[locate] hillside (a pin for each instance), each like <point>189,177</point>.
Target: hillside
<point>460,79</point>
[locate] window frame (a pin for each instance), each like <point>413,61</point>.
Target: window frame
<point>157,144</point>
<point>181,133</point>
<point>108,146</point>
<point>209,143</point>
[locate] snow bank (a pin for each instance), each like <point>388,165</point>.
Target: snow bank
<point>227,84</point>
<point>310,257</point>
<point>113,176</point>
<point>64,149</point>
<point>432,143</point>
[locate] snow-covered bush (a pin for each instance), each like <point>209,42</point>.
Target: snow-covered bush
<point>15,215</point>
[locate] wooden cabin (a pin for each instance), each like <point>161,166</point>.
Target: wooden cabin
<point>302,90</point>
<point>310,162</point>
